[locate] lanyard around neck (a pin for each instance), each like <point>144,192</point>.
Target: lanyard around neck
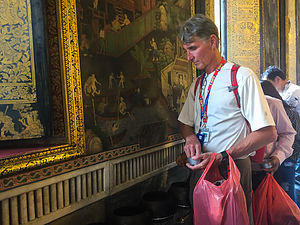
<point>204,104</point>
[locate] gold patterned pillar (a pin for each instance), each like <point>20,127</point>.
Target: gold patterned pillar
<point>209,9</point>
<point>243,34</point>
<point>291,40</point>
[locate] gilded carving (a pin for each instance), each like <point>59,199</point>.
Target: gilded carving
<point>291,41</point>
<point>28,121</point>
<point>17,78</point>
<point>73,101</point>
<point>209,9</point>
<point>55,77</point>
<point>19,118</point>
<point>71,69</point>
<point>243,35</point>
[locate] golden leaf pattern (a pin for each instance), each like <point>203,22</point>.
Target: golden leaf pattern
<point>20,119</point>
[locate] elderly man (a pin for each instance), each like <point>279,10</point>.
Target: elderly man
<point>210,119</point>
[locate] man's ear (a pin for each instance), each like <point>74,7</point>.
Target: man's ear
<point>277,79</point>
<point>213,40</point>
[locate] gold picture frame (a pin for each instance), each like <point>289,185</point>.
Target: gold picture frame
<point>72,91</point>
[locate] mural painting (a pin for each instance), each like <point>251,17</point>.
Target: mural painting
<point>135,75</point>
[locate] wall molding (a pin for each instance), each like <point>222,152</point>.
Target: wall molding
<point>49,199</point>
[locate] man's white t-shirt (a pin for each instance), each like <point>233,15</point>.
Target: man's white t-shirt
<point>226,121</point>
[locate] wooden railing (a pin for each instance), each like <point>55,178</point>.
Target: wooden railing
<point>47,200</point>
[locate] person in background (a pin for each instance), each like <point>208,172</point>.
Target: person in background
<point>285,175</point>
<point>210,119</point>
<point>289,92</point>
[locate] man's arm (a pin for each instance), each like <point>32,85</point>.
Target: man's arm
<point>250,143</point>
<point>278,151</point>
<point>253,141</point>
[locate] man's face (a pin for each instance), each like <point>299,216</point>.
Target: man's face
<point>278,83</point>
<point>199,52</point>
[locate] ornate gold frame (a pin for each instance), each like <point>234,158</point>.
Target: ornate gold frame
<point>74,125</point>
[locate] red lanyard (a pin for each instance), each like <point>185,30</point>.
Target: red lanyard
<point>204,104</point>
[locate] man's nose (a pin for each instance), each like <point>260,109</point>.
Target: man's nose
<point>189,56</point>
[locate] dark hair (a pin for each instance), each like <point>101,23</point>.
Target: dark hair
<point>270,90</point>
<point>198,26</point>
<point>272,72</point>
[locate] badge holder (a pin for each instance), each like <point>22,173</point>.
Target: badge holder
<point>203,135</point>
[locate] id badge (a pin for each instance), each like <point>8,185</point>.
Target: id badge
<point>203,135</point>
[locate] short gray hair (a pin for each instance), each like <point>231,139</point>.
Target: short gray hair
<point>198,26</point>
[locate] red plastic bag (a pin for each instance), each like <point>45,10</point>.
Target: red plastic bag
<point>259,155</point>
<point>272,206</point>
<point>223,204</point>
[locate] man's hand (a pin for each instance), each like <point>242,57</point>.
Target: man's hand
<point>192,147</point>
<point>274,162</point>
<point>205,157</point>
<point>181,159</point>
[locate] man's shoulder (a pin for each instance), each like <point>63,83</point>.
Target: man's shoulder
<point>294,87</point>
<point>273,101</point>
<point>242,70</point>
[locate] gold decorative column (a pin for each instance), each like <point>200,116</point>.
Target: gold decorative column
<point>290,24</point>
<point>209,9</point>
<point>243,35</point>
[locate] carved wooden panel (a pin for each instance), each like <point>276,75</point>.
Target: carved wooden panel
<point>291,41</point>
<point>243,35</point>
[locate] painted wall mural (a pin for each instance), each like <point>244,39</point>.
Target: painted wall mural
<point>135,75</point>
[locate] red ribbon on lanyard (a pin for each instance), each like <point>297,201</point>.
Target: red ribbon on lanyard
<point>204,104</point>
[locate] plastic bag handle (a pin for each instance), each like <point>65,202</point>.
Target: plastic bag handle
<point>212,159</point>
<point>234,173</point>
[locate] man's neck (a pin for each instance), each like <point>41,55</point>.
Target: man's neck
<point>215,62</point>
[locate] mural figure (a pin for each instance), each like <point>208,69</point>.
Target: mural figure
<point>102,44</point>
<point>122,80</point>
<point>115,127</point>
<point>101,107</point>
<point>154,50</point>
<point>163,18</point>
<point>90,87</point>
<point>123,109</point>
<point>116,136</point>
<point>7,126</point>
<point>126,21</point>
<point>111,80</point>
<point>169,49</point>
<point>31,123</point>
<point>84,44</point>
<point>95,4</point>
<point>116,25</point>
<point>182,99</point>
